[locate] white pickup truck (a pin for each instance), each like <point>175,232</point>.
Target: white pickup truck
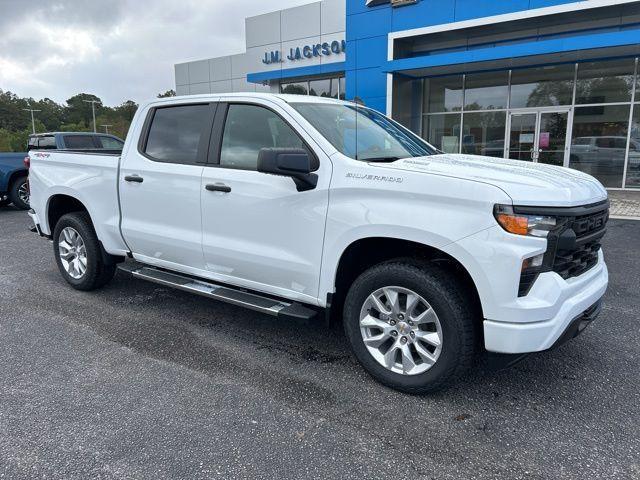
<point>294,205</point>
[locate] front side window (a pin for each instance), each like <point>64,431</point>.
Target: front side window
<point>175,133</point>
<point>110,143</point>
<point>361,133</point>
<point>250,128</point>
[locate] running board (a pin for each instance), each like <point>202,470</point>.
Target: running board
<point>234,296</point>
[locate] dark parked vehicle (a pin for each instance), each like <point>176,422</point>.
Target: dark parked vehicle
<point>14,187</point>
<point>75,141</point>
<point>14,167</point>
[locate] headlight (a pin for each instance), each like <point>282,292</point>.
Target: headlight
<point>534,225</point>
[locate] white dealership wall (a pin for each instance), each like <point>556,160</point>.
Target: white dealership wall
<point>282,30</point>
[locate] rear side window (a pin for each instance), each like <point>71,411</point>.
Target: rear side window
<point>79,141</point>
<point>46,143</point>
<point>110,143</point>
<point>250,128</point>
<point>176,132</point>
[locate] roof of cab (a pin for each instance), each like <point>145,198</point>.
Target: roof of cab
<point>266,96</point>
<point>47,134</point>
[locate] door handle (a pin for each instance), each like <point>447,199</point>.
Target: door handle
<point>218,187</point>
<point>134,178</point>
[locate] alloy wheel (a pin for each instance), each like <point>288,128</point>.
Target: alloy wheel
<point>401,330</point>
<point>73,253</point>
<point>23,192</point>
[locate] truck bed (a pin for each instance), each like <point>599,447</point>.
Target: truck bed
<point>92,178</point>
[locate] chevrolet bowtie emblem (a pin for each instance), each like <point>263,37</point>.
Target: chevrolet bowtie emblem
<point>394,3</point>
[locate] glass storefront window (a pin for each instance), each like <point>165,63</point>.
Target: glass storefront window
<point>443,132</point>
<point>325,87</point>
<point>443,94</point>
<point>633,167</point>
<point>484,133</point>
<point>486,91</point>
<point>343,88</point>
<point>605,82</point>
<point>598,143</point>
<point>320,88</point>
<point>542,86</point>
<point>301,88</point>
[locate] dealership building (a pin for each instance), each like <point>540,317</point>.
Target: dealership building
<point>550,81</point>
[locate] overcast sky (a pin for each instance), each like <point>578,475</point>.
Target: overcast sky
<point>115,49</point>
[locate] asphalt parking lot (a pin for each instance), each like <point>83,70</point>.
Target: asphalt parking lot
<point>140,381</point>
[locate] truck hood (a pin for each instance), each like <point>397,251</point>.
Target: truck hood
<point>526,183</point>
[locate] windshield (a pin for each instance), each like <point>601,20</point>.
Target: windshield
<point>363,134</point>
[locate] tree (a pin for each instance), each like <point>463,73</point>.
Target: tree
<point>168,93</point>
<point>79,110</point>
<point>127,110</point>
<point>75,116</point>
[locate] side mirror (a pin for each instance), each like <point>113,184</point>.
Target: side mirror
<point>289,162</point>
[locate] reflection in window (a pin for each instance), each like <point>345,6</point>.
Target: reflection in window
<point>443,94</point>
<point>320,88</point>
<point>295,88</point>
<point>605,82</point>
<point>443,132</point>
<point>598,142</point>
<point>543,86</point>
<point>484,134</point>
<point>486,91</point>
<point>247,130</point>
<point>633,168</point>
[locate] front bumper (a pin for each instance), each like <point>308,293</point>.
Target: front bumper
<point>577,302</point>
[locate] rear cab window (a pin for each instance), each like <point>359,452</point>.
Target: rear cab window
<point>179,134</point>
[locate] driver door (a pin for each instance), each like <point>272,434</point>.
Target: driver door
<point>258,230</point>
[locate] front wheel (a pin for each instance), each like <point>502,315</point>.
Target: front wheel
<point>19,193</point>
<point>410,325</point>
<point>78,253</point>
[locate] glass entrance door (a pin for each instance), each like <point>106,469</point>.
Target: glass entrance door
<point>539,136</point>
<point>552,137</point>
<point>522,136</point>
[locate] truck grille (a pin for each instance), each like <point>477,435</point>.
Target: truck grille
<point>569,264</point>
<point>589,230</point>
<point>573,246</point>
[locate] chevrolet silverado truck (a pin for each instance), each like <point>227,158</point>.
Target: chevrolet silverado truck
<point>14,186</point>
<point>296,206</point>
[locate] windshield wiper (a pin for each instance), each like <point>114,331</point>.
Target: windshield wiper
<point>380,159</point>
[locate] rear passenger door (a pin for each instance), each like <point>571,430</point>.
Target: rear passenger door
<point>160,186</point>
<point>259,232</point>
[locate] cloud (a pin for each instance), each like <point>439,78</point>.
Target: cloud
<point>118,50</point>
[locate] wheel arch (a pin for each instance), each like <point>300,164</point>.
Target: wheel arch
<point>59,205</point>
<point>15,175</point>
<point>366,252</point>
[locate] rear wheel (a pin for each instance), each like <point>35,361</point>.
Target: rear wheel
<point>78,253</point>
<point>410,325</point>
<point>19,193</point>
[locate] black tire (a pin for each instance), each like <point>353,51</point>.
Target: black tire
<point>98,273</point>
<point>449,300</point>
<point>14,192</point>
